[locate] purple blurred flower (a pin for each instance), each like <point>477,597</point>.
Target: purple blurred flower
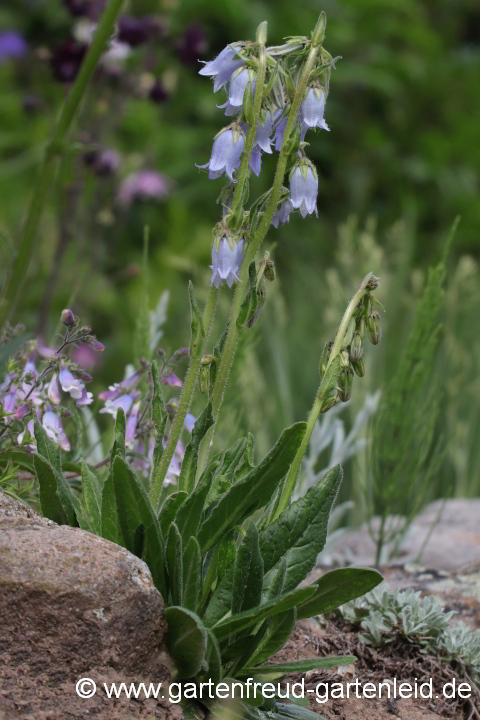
<point>192,44</point>
<point>222,68</point>
<point>114,391</point>
<point>124,401</point>
<point>10,400</point>
<point>22,411</point>
<point>189,422</point>
<point>54,429</point>
<point>84,355</point>
<point>158,92</point>
<point>12,45</point>
<point>66,60</point>
<point>172,380</point>
<point>106,163</point>
<point>280,133</point>
<point>173,472</point>
<point>143,185</point>
<point>133,30</point>
<point>264,130</point>
<point>54,390</point>
<point>86,399</point>
<point>31,431</point>
<point>227,259</point>
<point>226,152</point>
<point>282,215</point>
<point>313,108</point>
<point>304,188</point>
<point>255,160</point>
<point>131,428</point>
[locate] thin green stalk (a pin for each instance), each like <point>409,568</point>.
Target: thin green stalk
<point>54,151</point>
<point>292,476</point>
<point>189,386</point>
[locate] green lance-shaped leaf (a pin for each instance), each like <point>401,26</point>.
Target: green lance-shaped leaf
<point>118,449</point>
<point>254,490</point>
<point>220,571</point>
<point>134,509</point>
<point>300,666</point>
<point>246,619</point>
<point>159,417</point>
<point>56,498</point>
<point>111,529</point>
<point>169,510</point>
<point>249,305</point>
<point>189,465</point>
<point>338,587</point>
<point>192,574</point>
<point>92,495</point>
<point>189,514</point>
<point>277,580</point>
<point>198,331</point>
<point>186,641</point>
<point>247,573</point>
<point>47,448</point>
<point>278,630</point>
<point>299,533</point>
<point>213,658</point>
<point>174,557</point>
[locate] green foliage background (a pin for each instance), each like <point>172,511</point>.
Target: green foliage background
<point>402,161</point>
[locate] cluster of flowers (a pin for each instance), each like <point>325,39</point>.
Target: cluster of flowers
<point>38,383</point>
<point>234,70</point>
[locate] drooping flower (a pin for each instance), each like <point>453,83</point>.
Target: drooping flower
<point>227,259</point>
<point>223,67</point>
<point>131,428</point>
<point>54,429</point>
<point>255,160</point>
<point>280,133</point>
<point>69,383</point>
<point>236,90</point>
<point>313,108</point>
<point>86,399</point>
<point>12,45</point>
<point>282,214</point>
<point>263,132</point>
<point>172,380</point>
<point>226,152</point>
<point>304,188</point>
<point>143,185</point>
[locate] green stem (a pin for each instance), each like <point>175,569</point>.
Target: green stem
<point>292,476</point>
<point>54,150</point>
<point>189,386</point>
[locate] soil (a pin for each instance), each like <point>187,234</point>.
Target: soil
<point>399,659</point>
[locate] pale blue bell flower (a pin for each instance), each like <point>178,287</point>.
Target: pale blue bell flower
<point>312,109</point>
<point>304,189</point>
<point>222,68</point>
<point>226,152</point>
<point>282,215</point>
<point>227,261</point>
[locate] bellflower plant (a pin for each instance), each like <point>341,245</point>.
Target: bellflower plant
<point>212,528</point>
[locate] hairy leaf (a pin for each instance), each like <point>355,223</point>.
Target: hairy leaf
<point>254,490</point>
<point>278,630</point>
<point>319,663</point>
<point>174,556</point>
<point>186,641</point>
<point>192,574</point>
<point>189,464</point>
<point>338,587</point>
<point>169,510</point>
<point>92,496</point>
<point>247,573</point>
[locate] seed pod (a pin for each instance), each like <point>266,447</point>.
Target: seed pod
<point>203,380</point>
<point>356,348</point>
<point>344,360</point>
<point>373,327</point>
<point>269,273</point>
<point>359,367</point>
<point>329,403</point>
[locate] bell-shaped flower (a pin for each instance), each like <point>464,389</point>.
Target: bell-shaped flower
<point>263,132</point>
<point>282,215</point>
<point>54,429</point>
<point>131,428</point>
<point>222,68</point>
<point>226,152</point>
<point>236,90</point>
<point>227,259</point>
<point>69,383</point>
<point>255,160</point>
<point>304,188</point>
<point>313,108</point>
<point>86,399</point>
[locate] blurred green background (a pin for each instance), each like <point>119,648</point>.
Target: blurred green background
<point>402,161</point>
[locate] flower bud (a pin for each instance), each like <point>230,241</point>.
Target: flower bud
<point>171,407</point>
<point>269,273</point>
<point>96,345</point>
<point>318,33</point>
<point>329,403</point>
<point>204,378</point>
<point>359,366</point>
<point>356,348</point>
<point>68,318</point>
<point>373,327</point>
<point>345,383</point>
<point>344,360</point>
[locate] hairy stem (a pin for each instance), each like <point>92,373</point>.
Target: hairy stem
<point>54,151</point>
<point>293,473</point>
